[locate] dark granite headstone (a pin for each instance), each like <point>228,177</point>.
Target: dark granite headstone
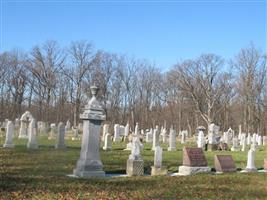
<point>224,163</point>
<point>194,157</point>
<point>265,164</point>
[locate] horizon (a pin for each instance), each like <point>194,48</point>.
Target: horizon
<point>161,32</point>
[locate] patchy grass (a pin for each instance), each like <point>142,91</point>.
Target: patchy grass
<point>41,174</point>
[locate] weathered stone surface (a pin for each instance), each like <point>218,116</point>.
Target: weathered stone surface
<point>155,171</point>
<point>60,143</point>
<point>194,157</point>
<point>89,165</point>
<point>32,141</point>
<point>224,163</point>
<point>187,170</point>
<point>135,167</point>
<point>9,135</point>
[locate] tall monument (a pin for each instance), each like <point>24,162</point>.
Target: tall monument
<point>89,165</point>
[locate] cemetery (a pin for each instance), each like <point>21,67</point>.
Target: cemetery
<point>38,164</point>
<point>133,99</point>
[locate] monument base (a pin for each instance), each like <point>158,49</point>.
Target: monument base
<point>23,137</point>
<point>212,147</point>
<point>107,148</point>
<point>186,170</point>
<point>252,170</point>
<point>135,167</point>
<point>88,174</point>
<point>89,169</point>
<point>155,171</point>
<point>8,145</point>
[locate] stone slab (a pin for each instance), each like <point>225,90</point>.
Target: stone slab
<point>158,171</point>
<point>8,145</point>
<point>194,157</point>
<point>224,163</point>
<point>186,170</point>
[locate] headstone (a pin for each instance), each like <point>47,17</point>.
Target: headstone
<point>89,165</point>
<point>149,136</point>
<point>67,128</point>
<point>200,140</point>
<point>24,125</point>
<point>126,130</point>
<point>194,161</point>
<point>250,162</point>
<point>9,135</point>
<point>155,138</point>
<point>243,142</point>
<point>224,163</point>
<point>183,137</point>
<point>75,132</point>
<point>259,140</point>
<point>172,140</point>
<point>108,142</point>
<point>105,131</point>
<point>53,130</point>
<point>235,146</point>
<point>135,163</point>
<point>60,143</point>
<point>164,135</point>
<point>248,139</point>
<point>158,169</point>
<point>116,137</point>
<point>212,135</point>
<point>32,140</point>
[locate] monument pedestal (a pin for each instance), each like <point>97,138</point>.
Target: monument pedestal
<point>135,167</point>
<point>186,170</point>
<point>155,171</point>
<point>90,165</point>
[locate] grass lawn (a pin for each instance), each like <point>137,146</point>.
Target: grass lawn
<point>41,174</point>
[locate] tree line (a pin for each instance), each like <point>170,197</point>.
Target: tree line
<point>53,83</point>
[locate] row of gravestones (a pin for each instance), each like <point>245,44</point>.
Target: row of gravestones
<point>32,135</point>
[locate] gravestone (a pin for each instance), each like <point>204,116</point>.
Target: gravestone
<point>149,135</point>
<point>108,142</point>
<point>105,131</point>
<point>9,135</point>
<point>60,136</point>
<point>235,146</point>
<point>243,141</point>
<point>194,161</point>
<point>24,125</point>
<point>155,138</point>
<point>135,163</point>
<point>172,140</point>
<point>224,163</point>
<point>116,137</point>
<point>90,165</point>
<point>158,169</point>
<point>250,162</point>
<point>32,139</point>
<point>200,140</point>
